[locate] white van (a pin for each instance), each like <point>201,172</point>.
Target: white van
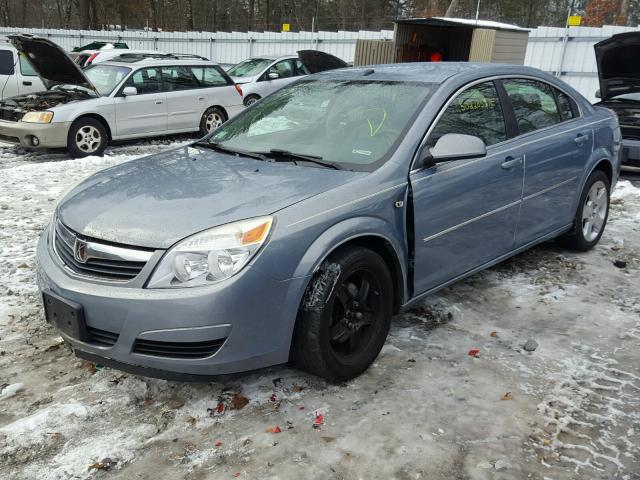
<point>17,76</point>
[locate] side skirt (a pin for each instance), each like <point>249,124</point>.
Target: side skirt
<point>484,266</point>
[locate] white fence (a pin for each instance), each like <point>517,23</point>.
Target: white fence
<point>569,56</point>
<point>572,58</point>
<point>222,47</point>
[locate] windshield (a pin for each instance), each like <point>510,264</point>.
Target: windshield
<point>106,77</point>
<point>350,123</point>
<point>249,68</point>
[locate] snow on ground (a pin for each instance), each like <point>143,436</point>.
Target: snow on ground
<point>425,410</point>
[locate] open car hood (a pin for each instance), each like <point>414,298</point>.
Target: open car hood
<point>618,66</point>
<point>51,62</point>
<point>319,61</point>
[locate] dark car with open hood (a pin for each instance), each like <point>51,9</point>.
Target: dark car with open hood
<point>619,75</point>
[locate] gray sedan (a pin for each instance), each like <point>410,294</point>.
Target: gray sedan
<point>297,229</point>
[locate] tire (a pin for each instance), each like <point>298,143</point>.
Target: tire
<point>251,99</point>
<point>87,136</point>
<point>591,216</point>
<point>211,119</point>
<point>342,325</point>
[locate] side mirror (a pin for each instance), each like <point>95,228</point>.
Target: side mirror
<point>597,94</point>
<point>456,146</point>
<point>129,91</point>
<point>273,75</point>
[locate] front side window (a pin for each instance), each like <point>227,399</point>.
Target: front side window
<point>106,77</point>
<point>301,68</point>
<point>178,78</point>
<point>351,123</point>
<point>146,80</point>
<point>249,68</point>
<point>475,111</point>
<point>533,103</point>
<point>209,77</point>
<point>6,62</point>
<point>284,69</point>
<point>25,67</point>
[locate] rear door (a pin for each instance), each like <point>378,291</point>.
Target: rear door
<point>558,143</point>
<point>185,97</point>
<point>465,211</point>
<point>8,77</point>
<point>145,112</point>
<point>216,89</point>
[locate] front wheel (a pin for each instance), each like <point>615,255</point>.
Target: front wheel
<point>345,315</point>
<point>592,214</point>
<point>87,136</point>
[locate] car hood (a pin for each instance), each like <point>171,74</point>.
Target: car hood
<point>158,200</point>
<point>53,65</point>
<point>241,80</point>
<point>618,69</point>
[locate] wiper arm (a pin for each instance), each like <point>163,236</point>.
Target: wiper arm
<point>280,155</point>
<point>220,148</point>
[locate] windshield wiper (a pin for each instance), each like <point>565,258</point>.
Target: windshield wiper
<point>278,155</point>
<point>220,148</point>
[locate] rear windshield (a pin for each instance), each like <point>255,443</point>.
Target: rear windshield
<point>354,124</point>
<point>106,77</point>
<point>249,68</point>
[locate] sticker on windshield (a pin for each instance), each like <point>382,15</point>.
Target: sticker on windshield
<point>361,152</point>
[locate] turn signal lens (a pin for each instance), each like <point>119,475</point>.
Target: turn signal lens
<point>239,89</point>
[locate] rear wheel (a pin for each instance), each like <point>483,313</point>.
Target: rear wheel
<point>211,119</point>
<point>592,214</point>
<point>345,315</point>
<point>87,136</point>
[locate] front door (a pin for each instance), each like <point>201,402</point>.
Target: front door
<point>558,146</point>
<point>465,211</point>
<point>146,112</point>
<point>285,69</point>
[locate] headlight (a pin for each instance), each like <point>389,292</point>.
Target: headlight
<point>211,256</point>
<point>38,117</point>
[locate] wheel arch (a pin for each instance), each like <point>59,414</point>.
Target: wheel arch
<point>99,118</point>
<point>224,110</point>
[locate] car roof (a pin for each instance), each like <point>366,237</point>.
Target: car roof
<point>152,62</point>
<point>272,57</point>
<point>425,72</point>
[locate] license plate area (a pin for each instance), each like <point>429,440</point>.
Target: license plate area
<point>66,315</point>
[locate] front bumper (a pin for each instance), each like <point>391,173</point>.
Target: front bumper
<point>630,154</point>
<point>252,314</point>
<point>50,135</point>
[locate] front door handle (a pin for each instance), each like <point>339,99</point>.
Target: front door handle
<point>200,98</point>
<point>27,84</point>
<point>159,102</point>
<point>580,139</point>
<point>511,162</point>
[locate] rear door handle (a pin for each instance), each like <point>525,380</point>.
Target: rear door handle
<point>580,139</point>
<point>27,84</point>
<point>511,162</point>
<point>200,98</point>
<point>159,102</point>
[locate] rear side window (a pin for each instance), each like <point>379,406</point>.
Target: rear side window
<point>476,111</point>
<point>209,77</point>
<point>25,67</point>
<point>533,103</point>
<point>6,62</point>
<point>178,78</point>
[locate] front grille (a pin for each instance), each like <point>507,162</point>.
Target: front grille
<point>99,265</point>
<point>9,139</point>
<point>630,132</point>
<point>102,338</point>
<point>10,115</point>
<point>191,350</point>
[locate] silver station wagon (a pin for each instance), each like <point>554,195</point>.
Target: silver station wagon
<point>130,96</point>
<point>297,229</point>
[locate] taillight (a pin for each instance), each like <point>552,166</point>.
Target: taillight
<point>239,89</point>
<point>92,58</point>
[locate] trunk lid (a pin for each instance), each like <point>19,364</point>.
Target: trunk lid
<point>618,68</point>
<point>53,65</point>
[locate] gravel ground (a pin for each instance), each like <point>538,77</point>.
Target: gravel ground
<point>568,409</point>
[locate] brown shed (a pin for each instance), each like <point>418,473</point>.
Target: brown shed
<point>451,39</point>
